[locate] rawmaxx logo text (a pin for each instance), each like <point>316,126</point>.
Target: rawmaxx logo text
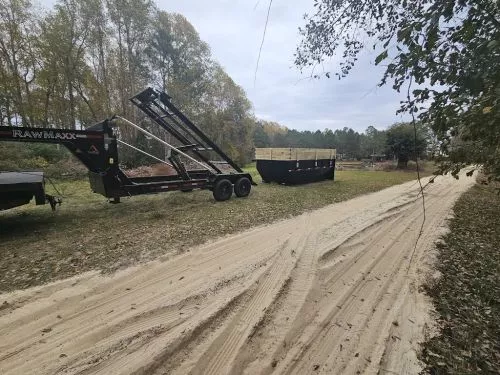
<point>33,134</point>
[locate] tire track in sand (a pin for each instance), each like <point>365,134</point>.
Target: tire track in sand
<point>261,301</point>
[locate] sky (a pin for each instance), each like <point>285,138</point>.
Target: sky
<point>233,29</point>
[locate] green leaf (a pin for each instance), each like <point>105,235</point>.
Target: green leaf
<point>492,44</point>
<point>381,57</point>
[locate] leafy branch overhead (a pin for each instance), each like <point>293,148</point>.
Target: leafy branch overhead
<point>449,49</point>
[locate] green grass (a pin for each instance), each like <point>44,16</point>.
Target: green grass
<point>88,233</point>
<point>467,295</point>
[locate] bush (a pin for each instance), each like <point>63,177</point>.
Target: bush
<point>54,160</point>
<point>388,166</point>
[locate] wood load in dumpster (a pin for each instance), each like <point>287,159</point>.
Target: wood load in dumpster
<point>295,165</point>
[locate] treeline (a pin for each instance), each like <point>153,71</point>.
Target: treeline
<point>82,60</point>
<point>349,143</point>
<point>399,141</point>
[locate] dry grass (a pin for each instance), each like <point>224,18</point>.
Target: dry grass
<point>467,295</point>
<point>88,233</point>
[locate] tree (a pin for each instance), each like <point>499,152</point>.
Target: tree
<point>98,47</point>
<point>402,144</point>
<point>373,142</point>
<point>450,49</point>
<point>228,119</point>
<point>82,60</point>
<point>65,73</point>
<point>260,137</point>
<point>130,20</point>
<point>17,61</point>
<point>348,143</point>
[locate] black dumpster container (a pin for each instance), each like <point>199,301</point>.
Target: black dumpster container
<point>295,165</point>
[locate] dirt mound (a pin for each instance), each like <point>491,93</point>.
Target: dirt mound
<point>159,169</point>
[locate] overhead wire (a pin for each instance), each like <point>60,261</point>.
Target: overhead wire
<point>262,42</point>
<point>414,123</point>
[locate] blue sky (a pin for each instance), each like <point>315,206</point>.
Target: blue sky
<point>233,29</point>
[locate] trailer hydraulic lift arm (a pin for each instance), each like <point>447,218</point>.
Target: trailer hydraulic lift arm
<point>158,106</point>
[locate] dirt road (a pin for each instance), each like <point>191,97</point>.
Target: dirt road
<point>331,291</point>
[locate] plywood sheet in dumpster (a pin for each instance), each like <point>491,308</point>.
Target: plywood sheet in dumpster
<point>295,153</point>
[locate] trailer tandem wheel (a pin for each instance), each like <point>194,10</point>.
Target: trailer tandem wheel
<point>223,189</point>
<point>242,187</point>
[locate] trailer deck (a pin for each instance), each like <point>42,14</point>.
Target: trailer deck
<point>19,188</point>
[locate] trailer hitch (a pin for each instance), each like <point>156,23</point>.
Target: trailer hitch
<point>53,201</point>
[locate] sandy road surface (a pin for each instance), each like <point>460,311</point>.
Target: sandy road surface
<point>325,292</point>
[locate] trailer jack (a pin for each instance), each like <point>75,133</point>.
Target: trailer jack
<point>53,201</point>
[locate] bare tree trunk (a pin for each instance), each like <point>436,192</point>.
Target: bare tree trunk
<point>8,112</point>
<point>87,102</point>
<point>46,108</point>
<point>71,105</point>
<point>402,162</point>
<point>121,85</point>
<point>102,63</point>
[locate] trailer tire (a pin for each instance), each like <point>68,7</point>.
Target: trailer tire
<point>242,187</point>
<point>223,189</point>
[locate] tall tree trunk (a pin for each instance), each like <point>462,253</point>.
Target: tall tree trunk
<point>46,108</point>
<point>402,162</point>
<point>8,112</point>
<point>71,105</point>
<point>131,70</point>
<point>102,62</point>
<point>87,102</point>
<point>121,85</point>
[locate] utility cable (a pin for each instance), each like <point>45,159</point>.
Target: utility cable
<point>414,123</point>
<point>262,42</point>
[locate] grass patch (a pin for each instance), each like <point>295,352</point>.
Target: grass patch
<point>467,295</point>
<point>88,233</point>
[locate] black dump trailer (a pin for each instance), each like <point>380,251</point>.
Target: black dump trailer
<point>295,165</point>
<point>97,148</point>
